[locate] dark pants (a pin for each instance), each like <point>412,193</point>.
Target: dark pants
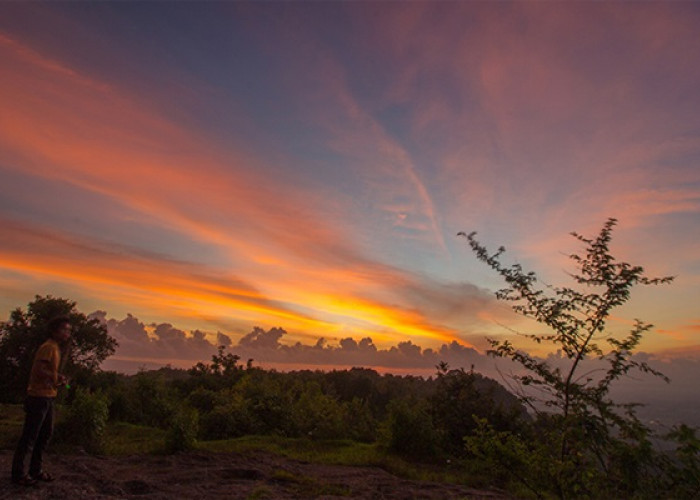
<point>38,427</point>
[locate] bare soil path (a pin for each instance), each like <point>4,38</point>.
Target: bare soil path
<point>204,475</point>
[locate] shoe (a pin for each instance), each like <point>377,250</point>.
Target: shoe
<point>42,476</point>
<point>24,481</point>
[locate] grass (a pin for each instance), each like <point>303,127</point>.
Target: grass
<point>11,421</point>
<point>261,493</point>
<point>121,438</point>
<point>128,439</point>
<point>343,452</point>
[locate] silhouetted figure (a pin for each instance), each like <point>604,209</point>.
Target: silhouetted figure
<point>44,381</point>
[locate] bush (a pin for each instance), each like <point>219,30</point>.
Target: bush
<point>410,431</point>
<point>461,398</point>
<point>267,403</point>
<point>359,422</point>
<point>318,415</point>
<point>227,420</point>
<point>121,405</point>
<point>151,399</point>
<point>202,399</point>
<point>182,434</point>
<point>85,421</point>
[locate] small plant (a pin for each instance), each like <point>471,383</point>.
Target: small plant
<point>182,434</point>
<point>318,415</point>
<point>85,421</point>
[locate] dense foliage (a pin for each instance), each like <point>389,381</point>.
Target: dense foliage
<point>222,399</point>
<point>85,421</point>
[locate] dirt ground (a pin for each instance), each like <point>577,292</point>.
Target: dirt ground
<point>203,475</point>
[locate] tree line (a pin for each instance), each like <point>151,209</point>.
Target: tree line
<point>224,398</point>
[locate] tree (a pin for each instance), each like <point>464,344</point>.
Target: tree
<point>461,398</point>
<point>221,364</point>
<point>592,442</point>
<point>25,331</point>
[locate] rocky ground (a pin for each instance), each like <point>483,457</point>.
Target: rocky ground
<point>203,475</point>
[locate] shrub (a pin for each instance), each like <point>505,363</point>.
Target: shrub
<point>85,421</point>
<point>151,400</point>
<point>203,399</point>
<point>227,420</point>
<point>267,403</point>
<point>409,430</point>
<point>461,398</point>
<point>318,415</point>
<point>182,433</point>
<point>359,422</point>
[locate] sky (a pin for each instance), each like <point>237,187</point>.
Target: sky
<point>288,178</point>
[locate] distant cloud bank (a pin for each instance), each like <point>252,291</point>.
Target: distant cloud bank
<point>142,345</point>
<point>151,346</point>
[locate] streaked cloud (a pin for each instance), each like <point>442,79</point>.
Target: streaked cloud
<point>311,169</point>
<point>245,216</point>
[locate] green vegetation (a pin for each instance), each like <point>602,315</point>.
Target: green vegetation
<point>182,431</point>
<point>121,438</point>
<point>11,420</point>
<point>351,417</point>
<point>85,421</point>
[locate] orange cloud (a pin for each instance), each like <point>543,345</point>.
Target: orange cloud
<point>193,290</point>
<point>688,334</point>
<point>40,252</point>
<point>95,138</point>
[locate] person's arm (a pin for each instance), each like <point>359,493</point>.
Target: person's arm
<point>49,377</point>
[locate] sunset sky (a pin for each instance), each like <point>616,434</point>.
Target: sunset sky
<point>195,170</point>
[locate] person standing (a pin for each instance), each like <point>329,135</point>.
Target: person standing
<point>44,381</point>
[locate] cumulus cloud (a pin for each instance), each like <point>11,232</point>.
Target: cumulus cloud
<point>261,339</point>
<point>265,347</point>
<point>223,339</point>
<point>163,343</point>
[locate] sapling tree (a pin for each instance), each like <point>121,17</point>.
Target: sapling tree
<point>590,435</point>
